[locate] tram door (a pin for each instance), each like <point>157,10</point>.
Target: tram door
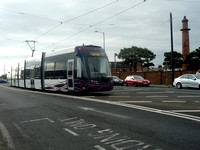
<point>70,74</point>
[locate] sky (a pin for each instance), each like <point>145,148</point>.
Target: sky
<point>58,24</point>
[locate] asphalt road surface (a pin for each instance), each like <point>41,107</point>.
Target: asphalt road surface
<point>127,118</point>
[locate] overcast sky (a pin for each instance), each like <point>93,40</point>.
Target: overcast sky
<point>57,24</point>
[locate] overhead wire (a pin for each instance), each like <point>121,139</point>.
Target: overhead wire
<point>26,14</point>
<point>97,23</point>
<point>84,14</point>
<point>60,22</point>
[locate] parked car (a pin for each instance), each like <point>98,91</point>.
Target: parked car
<point>3,81</point>
<point>187,80</point>
<point>117,81</point>
<point>136,80</point>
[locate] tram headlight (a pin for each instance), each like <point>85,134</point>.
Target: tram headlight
<point>94,81</point>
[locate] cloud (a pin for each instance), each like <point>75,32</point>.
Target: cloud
<point>146,25</point>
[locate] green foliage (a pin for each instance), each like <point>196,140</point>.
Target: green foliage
<point>193,60</point>
<point>178,59</point>
<point>134,55</point>
<point>4,76</point>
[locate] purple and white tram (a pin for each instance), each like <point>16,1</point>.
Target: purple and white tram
<point>85,69</point>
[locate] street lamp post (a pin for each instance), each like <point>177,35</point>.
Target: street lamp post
<point>103,39</point>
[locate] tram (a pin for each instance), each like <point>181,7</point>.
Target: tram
<point>85,69</point>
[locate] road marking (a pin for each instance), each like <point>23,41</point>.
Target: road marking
<point>157,96</point>
<point>99,147</point>
<point>149,109</point>
<point>35,120</point>
<point>20,130</point>
<point>129,90</point>
<point>173,101</point>
<point>119,96</point>
<point>156,92</point>
<point>103,112</point>
<point>135,101</point>
<point>7,136</point>
<point>185,110</point>
<point>71,132</point>
<point>68,119</point>
<point>91,96</point>
<point>124,93</point>
<point>192,96</point>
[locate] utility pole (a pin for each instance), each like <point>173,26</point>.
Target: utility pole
<point>31,47</point>
<point>172,48</point>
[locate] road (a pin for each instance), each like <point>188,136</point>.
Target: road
<point>135,118</point>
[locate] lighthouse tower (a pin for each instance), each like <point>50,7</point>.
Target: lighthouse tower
<point>185,40</point>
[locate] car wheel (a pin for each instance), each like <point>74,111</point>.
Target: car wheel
<point>178,85</point>
<point>135,84</point>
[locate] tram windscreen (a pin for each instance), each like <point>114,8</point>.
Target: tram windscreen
<point>99,67</point>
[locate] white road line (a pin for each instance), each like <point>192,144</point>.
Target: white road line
<point>149,109</point>
<point>129,90</point>
<point>71,132</point>
<point>124,93</point>
<point>106,113</point>
<point>99,147</point>
<point>156,92</point>
<point>68,119</point>
<point>20,130</point>
<point>7,136</point>
<point>91,96</point>
<point>192,96</point>
<point>35,120</point>
<point>119,96</point>
<point>173,101</point>
<point>135,101</point>
<point>157,96</point>
<point>185,110</point>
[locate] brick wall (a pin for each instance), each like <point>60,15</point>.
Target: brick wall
<point>156,77</point>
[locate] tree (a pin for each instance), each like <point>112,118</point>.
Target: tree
<point>178,59</point>
<point>193,60</point>
<point>137,55</point>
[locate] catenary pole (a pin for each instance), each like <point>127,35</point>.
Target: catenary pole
<point>172,49</point>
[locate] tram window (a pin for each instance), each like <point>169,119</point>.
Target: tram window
<point>32,73</point>
<point>79,69</point>
<point>70,69</point>
<point>37,71</point>
<point>29,73</point>
<point>50,66</point>
<point>49,70</point>
<point>60,65</point>
<point>99,66</point>
<point>70,66</point>
<point>22,74</point>
<point>60,70</point>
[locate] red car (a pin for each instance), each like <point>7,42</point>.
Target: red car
<point>136,81</point>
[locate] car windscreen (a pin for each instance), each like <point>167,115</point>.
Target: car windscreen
<point>138,77</point>
<point>197,76</point>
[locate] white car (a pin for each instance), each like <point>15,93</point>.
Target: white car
<point>187,80</point>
